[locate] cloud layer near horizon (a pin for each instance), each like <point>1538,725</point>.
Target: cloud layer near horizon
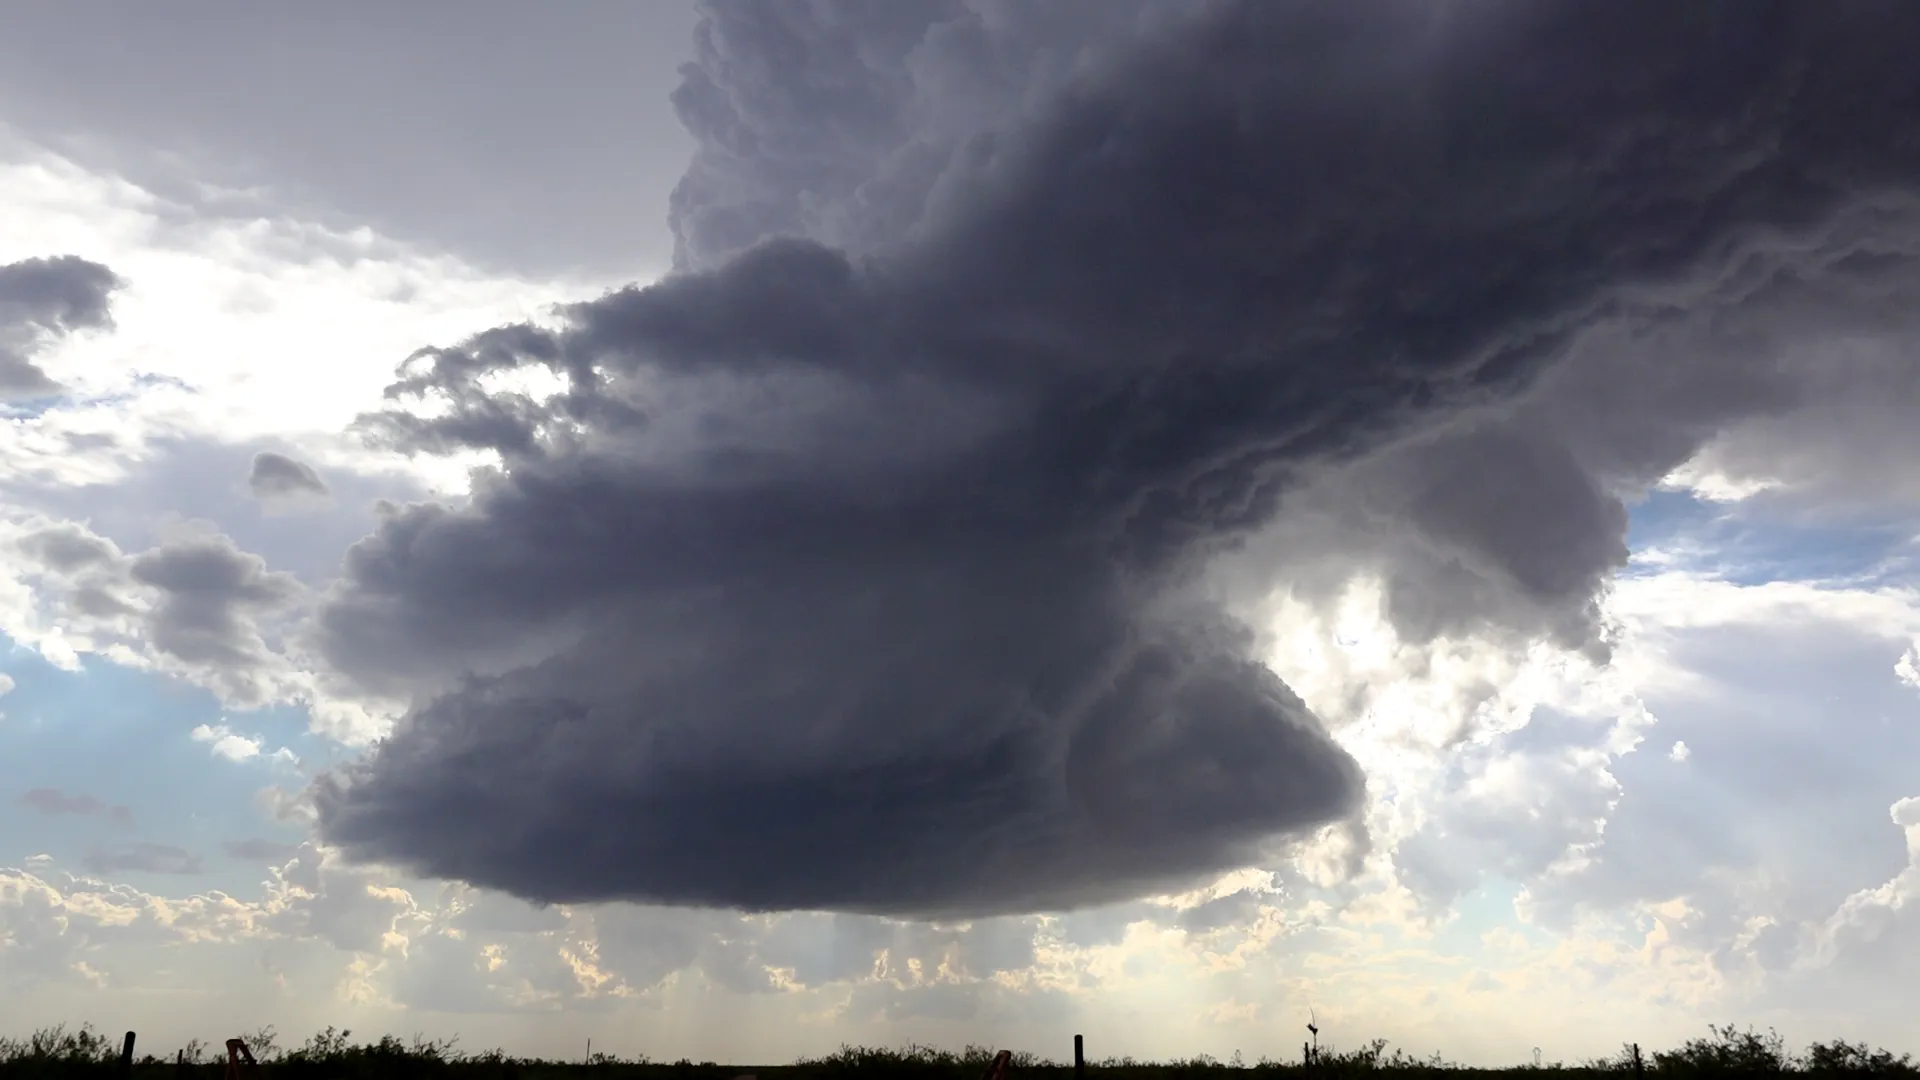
<point>862,564</point>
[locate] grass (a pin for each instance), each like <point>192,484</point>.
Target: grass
<point>61,1052</point>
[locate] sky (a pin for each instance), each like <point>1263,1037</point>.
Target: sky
<point>731,528</point>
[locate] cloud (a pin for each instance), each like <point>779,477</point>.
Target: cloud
<point>55,926</point>
<point>6,684</point>
<point>1870,933</point>
<point>277,477</point>
<point>56,803</point>
<point>41,301</point>
<point>844,124</point>
<point>308,895</point>
<point>206,294</point>
<point>1780,692</point>
<point>885,573</point>
<point>225,743</point>
<point>312,895</point>
<point>161,420</point>
<point>143,858</point>
<point>429,107</point>
<point>193,605</point>
<point>1512,526</point>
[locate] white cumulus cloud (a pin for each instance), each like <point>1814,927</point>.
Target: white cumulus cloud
<point>226,743</point>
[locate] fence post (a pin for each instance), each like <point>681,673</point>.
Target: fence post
<point>1079,1058</point>
<point>1306,1056</point>
<point>126,1056</point>
<point>1639,1068</point>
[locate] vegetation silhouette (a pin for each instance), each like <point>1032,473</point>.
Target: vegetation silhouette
<point>60,1052</point>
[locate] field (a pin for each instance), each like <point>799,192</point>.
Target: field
<point>85,1052</point>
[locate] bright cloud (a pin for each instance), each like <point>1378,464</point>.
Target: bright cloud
<point>230,745</point>
<point>225,744</point>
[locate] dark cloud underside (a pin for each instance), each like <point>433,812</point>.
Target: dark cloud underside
<point>861,573</point>
<point>41,301</point>
<point>277,476</point>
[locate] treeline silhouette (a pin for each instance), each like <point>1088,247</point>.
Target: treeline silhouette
<point>333,1055</point>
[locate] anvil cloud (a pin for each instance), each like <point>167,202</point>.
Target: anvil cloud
<point>866,562</point>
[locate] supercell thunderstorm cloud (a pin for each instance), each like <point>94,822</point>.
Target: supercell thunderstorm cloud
<point>874,559</point>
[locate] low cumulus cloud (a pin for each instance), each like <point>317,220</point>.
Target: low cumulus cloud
<point>893,555</point>
<point>226,743</point>
<point>43,300</point>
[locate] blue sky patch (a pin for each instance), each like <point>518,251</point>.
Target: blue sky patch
<point>124,738</point>
<point>1748,545</point>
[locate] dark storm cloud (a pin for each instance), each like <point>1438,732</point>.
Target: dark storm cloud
<point>865,578</point>
<point>41,301</point>
<point>277,476</point>
<point>839,119</point>
<point>1799,353</point>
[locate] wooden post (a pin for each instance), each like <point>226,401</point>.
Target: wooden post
<point>179,1065</point>
<point>126,1056</point>
<point>1079,1058</point>
<point>1306,1055</point>
<point>1639,1068</point>
<point>240,1063</point>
